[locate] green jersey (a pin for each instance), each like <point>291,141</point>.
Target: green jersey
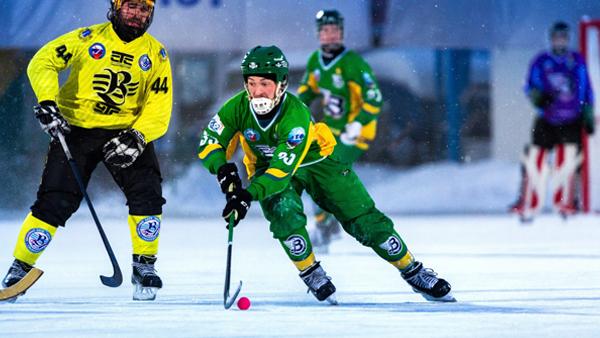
<point>349,92</point>
<point>273,149</point>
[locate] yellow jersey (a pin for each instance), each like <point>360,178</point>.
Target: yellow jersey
<point>112,84</point>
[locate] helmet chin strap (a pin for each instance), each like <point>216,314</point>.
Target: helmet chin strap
<point>263,105</point>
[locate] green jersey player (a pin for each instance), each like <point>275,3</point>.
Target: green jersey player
<point>286,154</point>
<point>351,101</point>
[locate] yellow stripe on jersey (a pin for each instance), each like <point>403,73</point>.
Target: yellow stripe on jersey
<point>370,108</point>
<point>325,138</point>
<point>356,101</point>
<point>278,174</point>
<point>232,146</point>
<point>302,89</point>
<point>249,157</point>
<point>112,85</point>
<point>208,150</point>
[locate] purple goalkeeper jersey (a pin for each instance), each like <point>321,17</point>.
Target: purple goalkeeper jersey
<point>565,78</point>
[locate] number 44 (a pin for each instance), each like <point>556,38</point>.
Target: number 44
<point>160,85</point>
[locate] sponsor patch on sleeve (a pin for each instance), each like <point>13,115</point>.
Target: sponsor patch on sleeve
<point>295,137</point>
<point>216,125</point>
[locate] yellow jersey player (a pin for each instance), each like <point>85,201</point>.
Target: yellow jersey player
<point>115,103</point>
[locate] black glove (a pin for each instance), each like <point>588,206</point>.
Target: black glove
<point>122,150</point>
<point>228,178</point>
<point>50,118</point>
<point>543,99</point>
<point>238,203</point>
<point>589,123</point>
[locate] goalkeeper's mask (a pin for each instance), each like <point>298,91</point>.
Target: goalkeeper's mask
<point>265,71</point>
<point>131,18</point>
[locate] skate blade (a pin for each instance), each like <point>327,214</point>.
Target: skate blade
<point>144,293</point>
<point>332,299</point>
<point>448,298</point>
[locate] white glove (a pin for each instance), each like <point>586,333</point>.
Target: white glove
<point>351,133</point>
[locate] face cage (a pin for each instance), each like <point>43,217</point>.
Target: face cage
<point>279,91</point>
<point>113,16</point>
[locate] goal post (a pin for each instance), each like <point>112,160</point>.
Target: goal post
<point>589,43</point>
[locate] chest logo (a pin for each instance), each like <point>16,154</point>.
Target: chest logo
<point>338,81</point>
<point>295,137</point>
<point>251,135</point>
<point>265,150</point>
<point>317,74</point>
<point>97,51</point>
<point>145,63</point>
<point>113,88</point>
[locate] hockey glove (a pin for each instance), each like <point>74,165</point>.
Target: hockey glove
<point>122,150</point>
<point>238,203</point>
<point>351,133</point>
<point>228,177</point>
<point>50,118</point>
<point>589,123</point>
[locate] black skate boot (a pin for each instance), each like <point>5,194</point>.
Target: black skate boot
<point>319,283</point>
<point>425,282</point>
<point>15,273</point>
<point>144,278</point>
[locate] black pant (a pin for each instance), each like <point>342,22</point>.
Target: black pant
<point>59,195</point>
<point>547,135</point>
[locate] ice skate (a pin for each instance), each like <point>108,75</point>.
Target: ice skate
<point>425,282</point>
<point>319,284</point>
<point>15,273</point>
<point>327,229</point>
<point>144,278</point>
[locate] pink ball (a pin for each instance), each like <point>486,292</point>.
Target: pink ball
<point>243,303</point>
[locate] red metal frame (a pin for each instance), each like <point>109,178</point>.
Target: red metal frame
<point>585,170</point>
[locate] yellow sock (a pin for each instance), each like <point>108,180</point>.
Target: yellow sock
<point>144,234</point>
<point>34,237</point>
<point>305,263</point>
<point>404,262</point>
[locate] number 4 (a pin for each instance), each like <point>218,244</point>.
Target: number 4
<point>160,85</point>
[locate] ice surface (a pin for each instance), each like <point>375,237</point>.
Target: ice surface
<point>540,280</point>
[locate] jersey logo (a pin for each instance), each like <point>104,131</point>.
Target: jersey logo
<point>251,135</point>
<point>163,53</point>
<point>85,33</point>
<point>295,137</point>
<point>392,245</point>
<point>121,59</point>
<point>216,125</point>
<point>317,74</point>
<point>113,88</point>
<point>148,228</point>
<point>338,81</point>
<point>265,150</point>
<point>97,51</point>
<point>37,239</point>
<point>296,244</point>
<point>145,63</point>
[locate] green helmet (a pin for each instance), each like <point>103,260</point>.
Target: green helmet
<point>329,17</point>
<point>266,61</point>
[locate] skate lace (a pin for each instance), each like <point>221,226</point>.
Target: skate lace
<point>145,269</point>
<point>426,278</point>
<point>316,279</point>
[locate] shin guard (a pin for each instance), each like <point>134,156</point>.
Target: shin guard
<point>145,232</point>
<point>536,175</point>
<point>34,237</point>
<point>564,173</point>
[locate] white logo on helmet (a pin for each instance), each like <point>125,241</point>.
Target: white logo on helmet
<point>252,65</point>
